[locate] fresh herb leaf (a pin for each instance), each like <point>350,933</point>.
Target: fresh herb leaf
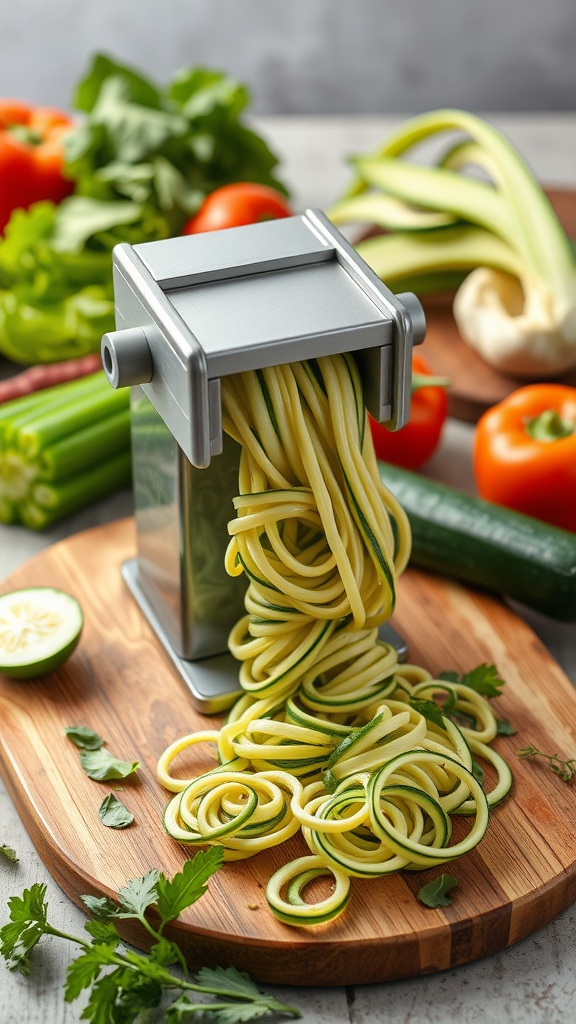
<point>140,893</point>
<point>100,906</point>
<point>26,927</point>
<point>84,970</point>
<point>504,727</point>
<point>188,885</point>
<point>235,984</point>
<point>113,813</point>
<point>84,737</point>
<point>9,853</point>
<point>429,709</point>
<point>435,893</point>
<point>121,983</point>
<point>477,772</point>
<point>483,679</point>
<point>102,765</point>
<point>564,769</point>
<point>103,931</point>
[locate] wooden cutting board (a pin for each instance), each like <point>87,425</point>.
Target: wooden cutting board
<point>121,683</point>
<point>475,386</point>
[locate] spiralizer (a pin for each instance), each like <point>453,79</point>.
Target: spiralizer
<point>190,311</point>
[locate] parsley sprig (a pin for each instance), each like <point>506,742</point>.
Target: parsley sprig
<point>121,982</point>
<point>564,769</point>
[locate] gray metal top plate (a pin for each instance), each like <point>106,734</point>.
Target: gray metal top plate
<point>295,313</point>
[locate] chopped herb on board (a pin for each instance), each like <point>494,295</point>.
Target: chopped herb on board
<point>101,765</point>
<point>98,763</point>
<point>122,983</point>
<point>8,853</point>
<point>564,769</point>
<point>113,813</point>
<point>435,893</point>
<point>84,737</point>
<point>484,679</point>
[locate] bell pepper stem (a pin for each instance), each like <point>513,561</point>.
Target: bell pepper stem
<point>549,426</point>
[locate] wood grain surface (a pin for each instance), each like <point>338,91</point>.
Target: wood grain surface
<point>475,385</point>
<point>120,682</point>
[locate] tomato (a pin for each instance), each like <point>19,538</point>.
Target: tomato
<point>525,453</point>
<point>415,443</point>
<point>230,206</point>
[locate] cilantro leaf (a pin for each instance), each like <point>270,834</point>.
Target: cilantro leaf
<point>435,893</point>
<point>429,710</point>
<point>483,679</point>
<point>82,972</point>
<point>9,853</point>
<point>188,885</point>
<point>84,737</point>
<point>140,893</point>
<point>504,727</point>
<point>113,813</point>
<point>100,1006</point>
<point>103,931</point>
<point>100,906</point>
<point>230,983</point>
<point>27,925</point>
<point>102,765</point>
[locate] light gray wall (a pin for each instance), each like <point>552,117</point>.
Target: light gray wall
<point>309,56</point>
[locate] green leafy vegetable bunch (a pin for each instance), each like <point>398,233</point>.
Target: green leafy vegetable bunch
<point>142,158</point>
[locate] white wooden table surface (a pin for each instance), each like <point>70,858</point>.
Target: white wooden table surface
<point>533,982</point>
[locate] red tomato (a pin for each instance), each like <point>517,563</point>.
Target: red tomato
<point>415,443</point>
<point>244,202</point>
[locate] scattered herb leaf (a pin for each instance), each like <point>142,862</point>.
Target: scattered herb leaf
<point>84,737</point>
<point>435,893</point>
<point>102,765</point>
<point>9,853</point>
<point>113,813</point>
<point>483,679</point>
<point>429,709</point>
<point>477,772</point>
<point>564,769</point>
<point>134,982</point>
<point>504,727</point>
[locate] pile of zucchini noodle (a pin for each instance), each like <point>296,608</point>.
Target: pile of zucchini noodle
<point>327,737</point>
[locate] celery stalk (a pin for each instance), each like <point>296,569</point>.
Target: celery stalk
<point>20,411</point>
<point>49,426</point>
<point>93,444</point>
<point>51,501</point>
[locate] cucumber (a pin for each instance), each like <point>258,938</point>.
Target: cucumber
<point>39,629</point>
<point>487,545</point>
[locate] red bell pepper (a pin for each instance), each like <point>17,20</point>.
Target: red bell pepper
<point>525,453</point>
<point>31,156</point>
<point>417,441</point>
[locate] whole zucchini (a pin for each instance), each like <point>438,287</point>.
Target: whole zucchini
<point>488,545</point>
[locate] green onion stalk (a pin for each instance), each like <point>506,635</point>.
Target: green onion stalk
<point>61,449</point>
<point>480,213</point>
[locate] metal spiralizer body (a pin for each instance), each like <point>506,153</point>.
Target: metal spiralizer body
<point>190,311</point>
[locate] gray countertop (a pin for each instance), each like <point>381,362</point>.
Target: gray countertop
<point>533,982</point>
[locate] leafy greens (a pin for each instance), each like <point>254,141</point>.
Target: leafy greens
<point>142,158</point>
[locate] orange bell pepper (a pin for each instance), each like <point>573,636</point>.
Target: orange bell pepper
<point>525,453</point>
<point>31,156</point>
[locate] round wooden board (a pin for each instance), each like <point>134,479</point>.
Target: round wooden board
<point>475,386</point>
<point>120,683</point>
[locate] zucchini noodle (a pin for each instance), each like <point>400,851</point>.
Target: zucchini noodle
<point>330,737</point>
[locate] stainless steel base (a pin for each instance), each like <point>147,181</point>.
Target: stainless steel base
<point>213,682</point>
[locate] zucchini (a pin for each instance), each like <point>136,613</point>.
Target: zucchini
<point>487,545</point>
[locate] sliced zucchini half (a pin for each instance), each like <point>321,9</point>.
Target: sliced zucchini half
<point>39,629</point>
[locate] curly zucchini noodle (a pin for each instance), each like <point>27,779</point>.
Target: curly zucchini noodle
<point>328,738</point>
